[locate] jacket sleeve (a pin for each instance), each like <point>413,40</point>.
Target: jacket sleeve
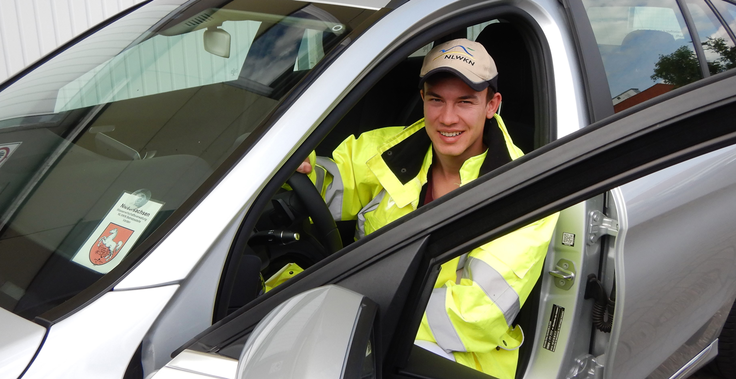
<point>475,312</point>
<point>345,181</point>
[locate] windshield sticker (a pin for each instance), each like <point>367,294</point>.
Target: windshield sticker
<point>117,232</point>
<point>7,149</point>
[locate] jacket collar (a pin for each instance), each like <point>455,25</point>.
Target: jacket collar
<point>402,163</point>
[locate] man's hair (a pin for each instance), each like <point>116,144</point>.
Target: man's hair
<point>434,79</point>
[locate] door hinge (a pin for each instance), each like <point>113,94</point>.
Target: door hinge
<point>600,225</point>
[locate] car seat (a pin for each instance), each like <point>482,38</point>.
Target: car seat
<point>506,45</point>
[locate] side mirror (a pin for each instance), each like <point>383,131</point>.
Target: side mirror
<point>217,42</point>
<point>326,333</point>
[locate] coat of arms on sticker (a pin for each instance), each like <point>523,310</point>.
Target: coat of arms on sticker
<point>109,243</point>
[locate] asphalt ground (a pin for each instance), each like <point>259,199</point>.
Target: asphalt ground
<point>705,374</point>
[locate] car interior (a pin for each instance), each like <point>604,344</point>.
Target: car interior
<point>391,101</point>
<point>395,100</point>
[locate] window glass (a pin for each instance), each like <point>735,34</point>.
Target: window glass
<point>645,47</point>
<point>717,45</point>
<point>161,64</point>
<point>727,11</point>
<point>102,143</point>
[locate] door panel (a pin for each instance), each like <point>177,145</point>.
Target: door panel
<point>676,262</point>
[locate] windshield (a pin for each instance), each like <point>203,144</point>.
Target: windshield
<point>99,145</point>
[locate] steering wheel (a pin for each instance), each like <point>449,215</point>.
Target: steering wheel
<point>327,232</point>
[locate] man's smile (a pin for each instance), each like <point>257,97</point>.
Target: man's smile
<point>451,134</point>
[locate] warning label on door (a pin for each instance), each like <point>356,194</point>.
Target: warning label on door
<point>553,327</point>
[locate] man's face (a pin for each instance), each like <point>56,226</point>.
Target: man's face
<point>454,117</point>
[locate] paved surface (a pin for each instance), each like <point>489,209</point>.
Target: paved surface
<point>703,374</point>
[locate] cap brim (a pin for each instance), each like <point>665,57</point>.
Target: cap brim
<point>480,86</point>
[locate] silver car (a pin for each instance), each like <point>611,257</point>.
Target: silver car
<point>146,189</point>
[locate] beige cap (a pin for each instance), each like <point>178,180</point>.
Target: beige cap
<point>462,57</point>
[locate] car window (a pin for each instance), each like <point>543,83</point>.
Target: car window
<point>713,37</point>
<point>727,11</point>
<point>100,145</point>
<point>645,47</point>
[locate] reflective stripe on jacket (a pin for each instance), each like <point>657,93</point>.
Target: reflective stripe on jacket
<point>381,176</point>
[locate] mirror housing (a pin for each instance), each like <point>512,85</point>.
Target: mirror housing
<point>322,333</point>
<point>217,42</point>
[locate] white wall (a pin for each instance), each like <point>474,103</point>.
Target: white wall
<point>30,29</point>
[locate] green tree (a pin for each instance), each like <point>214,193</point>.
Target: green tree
<point>726,55</point>
<point>682,66</point>
<point>679,68</point>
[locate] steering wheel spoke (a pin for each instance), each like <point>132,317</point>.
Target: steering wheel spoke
<point>326,229</point>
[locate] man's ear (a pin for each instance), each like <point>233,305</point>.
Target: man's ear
<point>421,94</point>
<point>493,104</point>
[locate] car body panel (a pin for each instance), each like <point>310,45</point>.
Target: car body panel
<point>71,351</point>
<point>569,115</point>
<point>192,364</point>
<point>183,316</point>
<point>21,339</point>
<point>575,328</point>
<point>697,279</point>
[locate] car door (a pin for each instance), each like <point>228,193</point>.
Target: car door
<point>625,67</point>
<point>397,269</point>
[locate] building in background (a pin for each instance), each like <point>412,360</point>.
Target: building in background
<point>30,29</point>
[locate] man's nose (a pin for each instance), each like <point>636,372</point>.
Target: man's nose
<point>448,116</point>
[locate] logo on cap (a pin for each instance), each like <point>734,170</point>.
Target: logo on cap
<point>455,53</point>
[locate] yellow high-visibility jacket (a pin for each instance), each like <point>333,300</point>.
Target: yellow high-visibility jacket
<point>381,176</point>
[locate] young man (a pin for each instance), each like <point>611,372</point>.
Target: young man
<point>387,173</point>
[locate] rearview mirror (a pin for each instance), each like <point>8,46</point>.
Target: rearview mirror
<point>217,42</point>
